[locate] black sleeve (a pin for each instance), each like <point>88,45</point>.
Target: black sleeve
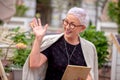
<point>46,52</point>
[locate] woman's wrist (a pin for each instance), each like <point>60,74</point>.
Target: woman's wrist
<point>38,39</point>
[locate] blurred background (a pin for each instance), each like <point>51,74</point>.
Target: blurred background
<point>16,35</point>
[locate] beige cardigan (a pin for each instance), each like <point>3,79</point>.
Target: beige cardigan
<point>89,52</point>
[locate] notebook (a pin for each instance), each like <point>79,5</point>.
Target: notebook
<point>74,72</point>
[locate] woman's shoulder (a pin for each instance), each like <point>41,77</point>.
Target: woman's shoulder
<point>87,42</point>
<point>52,36</point>
<point>48,40</point>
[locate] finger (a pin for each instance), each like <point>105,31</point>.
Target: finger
<point>35,22</point>
<point>45,27</point>
<point>31,24</point>
<point>39,21</point>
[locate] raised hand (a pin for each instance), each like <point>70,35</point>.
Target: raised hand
<point>38,29</point>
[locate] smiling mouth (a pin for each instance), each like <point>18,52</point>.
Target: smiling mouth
<point>68,32</point>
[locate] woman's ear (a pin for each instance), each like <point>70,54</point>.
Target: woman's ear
<point>82,28</point>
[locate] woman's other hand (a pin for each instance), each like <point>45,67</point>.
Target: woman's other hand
<point>89,77</point>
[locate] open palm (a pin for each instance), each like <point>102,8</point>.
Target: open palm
<point>38,29</point>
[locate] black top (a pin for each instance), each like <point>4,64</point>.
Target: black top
<point>58,59</point>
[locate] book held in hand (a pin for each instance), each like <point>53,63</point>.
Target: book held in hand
<point>74,72</point>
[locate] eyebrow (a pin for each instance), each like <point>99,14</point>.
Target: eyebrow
<point>68,20</point>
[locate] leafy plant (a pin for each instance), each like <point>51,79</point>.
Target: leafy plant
<point>20,56</point>
<point>23,41</point>
<point>100,41</point>
<point>21,10</point>
<point>114,12</point>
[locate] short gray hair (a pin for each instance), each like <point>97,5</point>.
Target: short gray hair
<point>81,14</point>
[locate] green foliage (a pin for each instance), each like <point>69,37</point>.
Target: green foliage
<point>21,54</point>
<point>114,12</point>
<point>100,41</point>
<point>22,37</point>
<point>21,10</point>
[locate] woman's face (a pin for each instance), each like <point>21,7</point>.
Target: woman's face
<point>72,26</point>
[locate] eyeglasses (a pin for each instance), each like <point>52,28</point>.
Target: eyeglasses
<point>71,25</point>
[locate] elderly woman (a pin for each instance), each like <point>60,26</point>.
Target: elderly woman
<point>51,54</point>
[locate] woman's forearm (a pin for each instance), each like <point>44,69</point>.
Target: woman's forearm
<point>35,53</point>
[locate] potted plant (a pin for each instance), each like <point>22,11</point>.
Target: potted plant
<point>100,41</point>
<point>22,42</point>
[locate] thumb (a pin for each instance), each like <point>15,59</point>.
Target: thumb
<point>45,27</point>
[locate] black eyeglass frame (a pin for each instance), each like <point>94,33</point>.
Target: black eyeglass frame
<point>70,24</point>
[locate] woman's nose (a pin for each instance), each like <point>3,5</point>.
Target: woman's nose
<point>67,26</point>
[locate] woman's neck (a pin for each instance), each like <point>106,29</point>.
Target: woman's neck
<point>72,40</point>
